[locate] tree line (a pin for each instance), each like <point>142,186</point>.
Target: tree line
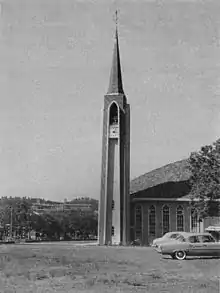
<point>18,216</point>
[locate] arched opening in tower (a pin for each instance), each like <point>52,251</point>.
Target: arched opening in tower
<point>113,115</point>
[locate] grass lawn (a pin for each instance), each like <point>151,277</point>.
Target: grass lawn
<point>68,268</point>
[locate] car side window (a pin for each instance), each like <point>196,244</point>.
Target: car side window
<point>206,238</point>
<point>193,239</point>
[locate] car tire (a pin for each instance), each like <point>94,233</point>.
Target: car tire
<point>179,255</point>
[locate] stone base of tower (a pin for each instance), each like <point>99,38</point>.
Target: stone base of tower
<point>116,239</point>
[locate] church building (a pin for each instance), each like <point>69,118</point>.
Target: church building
<point>160,203</point>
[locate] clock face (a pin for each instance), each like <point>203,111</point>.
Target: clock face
<point>114,131</point>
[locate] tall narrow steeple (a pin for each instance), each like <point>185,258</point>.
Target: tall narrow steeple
<point>114,206</point>
<point>115,84</point>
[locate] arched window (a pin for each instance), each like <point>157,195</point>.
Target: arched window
<point>194,221</point>
<point>180,218</point>
<point>138,222</point>
<point>152,221</point>
<point>166,219</point>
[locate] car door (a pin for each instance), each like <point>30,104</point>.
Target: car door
<point>210,246</point>
<point>195,247</point>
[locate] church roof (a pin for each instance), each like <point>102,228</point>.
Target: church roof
<point>115,84</point>
<point>171,173</point>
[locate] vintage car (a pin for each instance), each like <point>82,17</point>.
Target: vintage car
<point>191,244</point>
<point>167,237</point>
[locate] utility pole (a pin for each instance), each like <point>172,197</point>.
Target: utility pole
<point>11,222</point>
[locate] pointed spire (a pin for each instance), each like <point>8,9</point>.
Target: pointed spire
<point>115,84</point>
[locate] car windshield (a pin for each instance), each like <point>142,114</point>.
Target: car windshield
<point>174,236</point>
<point>170,235</point>
<point>180,238</point>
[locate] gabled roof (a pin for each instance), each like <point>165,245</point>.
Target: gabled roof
<point>174,172</point>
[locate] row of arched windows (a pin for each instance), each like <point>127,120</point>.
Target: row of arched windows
<point>138,222</point>
<point>152,220</point>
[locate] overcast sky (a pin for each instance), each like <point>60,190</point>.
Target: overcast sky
<point>55,59</point>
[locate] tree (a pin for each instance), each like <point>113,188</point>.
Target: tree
<point>22,211</point>
<point>38,223</point>
<point>204,166</point>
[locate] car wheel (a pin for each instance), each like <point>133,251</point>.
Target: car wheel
<point>180,255</point>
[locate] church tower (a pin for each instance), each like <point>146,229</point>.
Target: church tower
<point>114,218</point>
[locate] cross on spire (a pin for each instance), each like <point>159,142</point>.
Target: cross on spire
<point>116,18</point>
